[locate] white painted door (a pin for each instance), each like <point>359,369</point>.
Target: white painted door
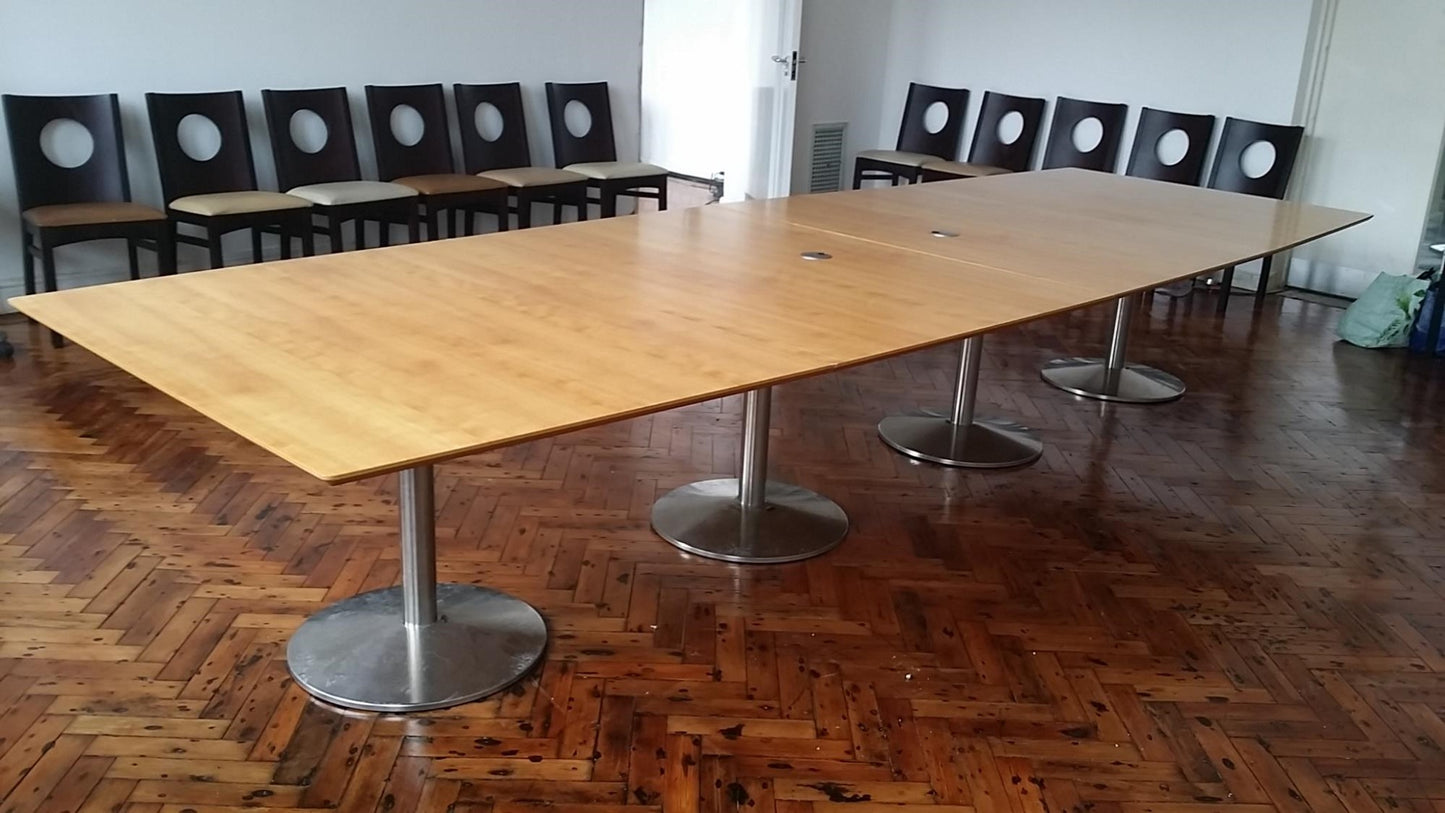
<point>719,84</point>
<point>776,96</point>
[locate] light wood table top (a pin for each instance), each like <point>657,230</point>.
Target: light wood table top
<point>356,364</point>
<point>1087,228</point>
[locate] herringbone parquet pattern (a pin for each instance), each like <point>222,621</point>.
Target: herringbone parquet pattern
<point>1233,603</point>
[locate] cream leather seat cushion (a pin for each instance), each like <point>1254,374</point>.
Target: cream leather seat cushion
<point>963,170</point>
<point>89,214</point>
<point>615,170</point>
<point>449,184</point>
<point>904,159</point>
<point>341,193</point>
<point>532,176</point>
<point>237,203</point>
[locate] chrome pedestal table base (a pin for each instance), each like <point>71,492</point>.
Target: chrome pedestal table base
<point>961,439</point>
<point>421,645</point>
<point>750,519</point>
<point>1111,379</point>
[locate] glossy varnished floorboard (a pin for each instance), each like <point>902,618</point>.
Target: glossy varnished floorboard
<point>1234,602</point>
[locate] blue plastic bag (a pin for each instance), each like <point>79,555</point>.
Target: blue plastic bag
<point>1420,334</point>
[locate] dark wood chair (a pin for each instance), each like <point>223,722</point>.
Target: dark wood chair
<point>1231,175</point>
<point>507,158</point>
<point>990,154</point>
<point>91,200</point>
<point>1154,125</point>
<point>916,145</point>
<point>594,152</point>
<point>218,193</point>
<point>1061,150</point>
<point>426,165</point>
<point>330,177</point>
<point>1145,160</point>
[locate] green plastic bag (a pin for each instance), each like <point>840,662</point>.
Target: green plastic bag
<point>1383,314</point>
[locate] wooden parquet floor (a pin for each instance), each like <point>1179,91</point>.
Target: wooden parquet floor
<point>1233,603</point>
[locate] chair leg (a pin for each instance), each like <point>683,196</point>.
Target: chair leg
<point>524,210</point>
<point>27,262</point>
<point>308,237</point>
<point>857,176</point>
<point>358,233</point>
<point>1263,290</point>
<point>433,224</point>
<point>213,245</point>
<point>132,257</point>
<point>1226,283</point>
<point>607,200</point>
<point>556,211</point>
<point>413,226</point>
<point>383,232</point>
<point>333,230</point>
<point>285,229</point>
<point>47,270</point>
<point>501,212</point>
<point>255,245</point>
<point>580,202</point>
<point>662,196</point>
<point>166,250</point>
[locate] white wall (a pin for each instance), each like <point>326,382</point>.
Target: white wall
<point>1374,138</point>
<point>94,46</point>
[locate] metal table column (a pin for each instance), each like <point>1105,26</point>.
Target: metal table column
<point>1112,379</point>
<point>421,645</point>
<point>750,518</point>
<point>962,439</point>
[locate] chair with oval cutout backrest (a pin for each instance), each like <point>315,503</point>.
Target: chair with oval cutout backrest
<point>1062,149</point>
<point>1154,126</point>
<point>218,193</point>
<point>916,143</point>
<point>990,154</point>
<point>87,200</point>
<point>593,153</point>
<point>330,175</point>
<point>426,164</point>
<point>507,157</point>
<point>1232,175</point>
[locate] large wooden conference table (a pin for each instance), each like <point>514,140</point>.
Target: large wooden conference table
<point>392,360</point>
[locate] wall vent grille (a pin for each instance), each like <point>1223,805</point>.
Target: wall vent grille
<point>827,169</point>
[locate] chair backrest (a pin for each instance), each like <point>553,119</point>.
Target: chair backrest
<point>597,143</point>
<point>431,154</point>
<point>1229,172</point>
<point>41,182</point>
<point>231,169</point>
<point>1144,161</point>
<point>510,148</point>
<point>913,133</point>
<point>336,159</point>
<point>1061,150</point>
<point>989,149</point>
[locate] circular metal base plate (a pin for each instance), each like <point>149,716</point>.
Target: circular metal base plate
<point>359,654</point>
<point>706,518</point>
<point>1138,384</point>
<point>985,444</point>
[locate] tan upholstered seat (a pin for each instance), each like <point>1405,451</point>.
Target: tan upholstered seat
<point>449,183</point>
<point>520,177</point>
<point>615,170</point>
<point>961,169</point>
<point>904,159</point>
<point>341,193</point>
<point>89,214</point>
<point>219,204</point>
